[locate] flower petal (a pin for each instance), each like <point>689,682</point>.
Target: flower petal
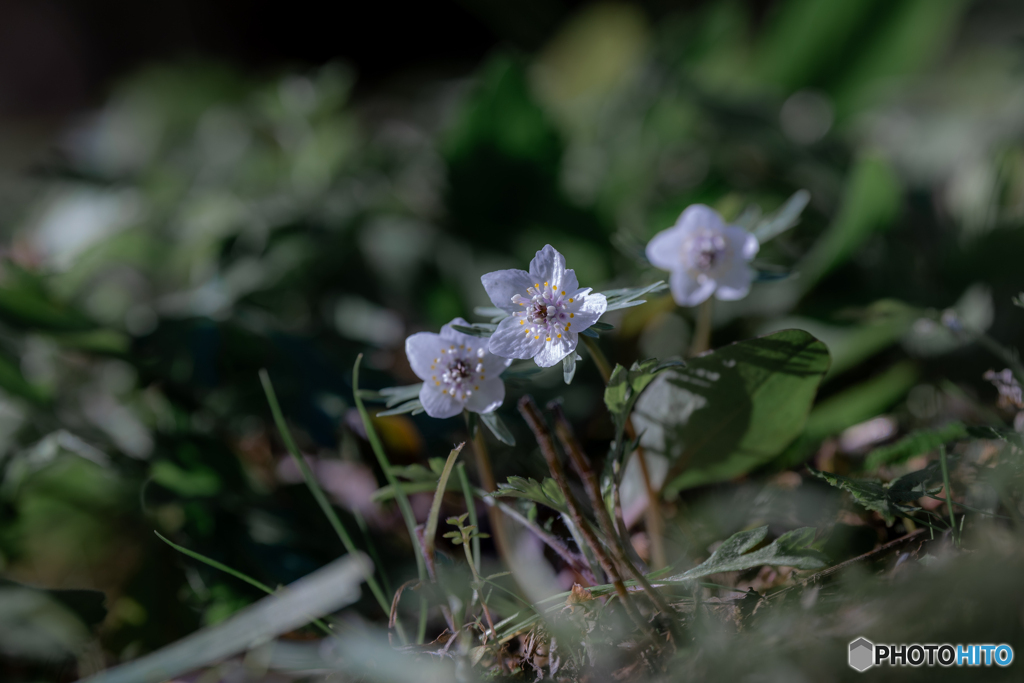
<point>687,291</point>
<point>421,349</point>
<point>734,283</point>
<point>494,365</point>
<point>502,285</point>
<point>548,266</point>
<point>437,404</point>
<point>587,309</point>
<point>555,350</point>
<point>511,340</point>
<point>488,397</point>
<point>741,242</point>
<point>665,250</point>
<point>700,216</point>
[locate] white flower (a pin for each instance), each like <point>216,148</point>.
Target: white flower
<point>704,256</point>
<point>548,309</point>
<point>457,371</point>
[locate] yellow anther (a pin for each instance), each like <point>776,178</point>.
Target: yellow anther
<point>522,322</point>
<point>537,337</point>
<point>545,284</point>
<point>548,339</point>
<point>563,292</point>
<point>572,315</point>
<point>476,388</point>
<point>436,383</point>
<point>570,300</point>
<point>536,285</point>
<point>568,325</point>
<point>559,336</point>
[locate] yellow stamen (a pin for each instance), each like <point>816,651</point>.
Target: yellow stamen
<point>568,325</point>
<point>570,300</point>
<point>563,292</point>
<point>548,339</point>
<point>572,315</point>
<point>436,384</point>
<point>537,337</point>
<point>559,336</point>
<point>522,322</point>
<point>476,388</point>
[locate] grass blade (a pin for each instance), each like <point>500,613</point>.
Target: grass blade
<point>322,592</point>
<point>435,505</point>
<point>400,497</point>
<point>314,486</point>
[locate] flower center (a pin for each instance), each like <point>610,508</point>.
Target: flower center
<point>704,251</point>
<point>463,371</point>
<point>546,312</point>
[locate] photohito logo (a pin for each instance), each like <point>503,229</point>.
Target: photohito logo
<point>864,654</point>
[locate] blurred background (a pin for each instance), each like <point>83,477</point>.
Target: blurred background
<point>191,191</point>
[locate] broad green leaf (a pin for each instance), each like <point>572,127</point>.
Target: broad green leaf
<point>791,549</point>
<point>914,444</point>
<point>14,383</point>
<point>854,405</point>
<point>545,492</point>
<point>732,410</point>
<point>625,386</point>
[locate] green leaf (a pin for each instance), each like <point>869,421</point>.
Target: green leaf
<point>889,500</point>
<point>200,482</point>
<point>477,329</point>
<point>14,383</point>
<point>914,444</point>
<point>627,298</point>
<point>545,492</point>
<point>870,202</point>
<point>498,428</point>
<point>625,386</point>
<point>785,218</point>
<point>791,549</point>
<point>732,410</point>
<point>569,367</point>
<point>414,407</point>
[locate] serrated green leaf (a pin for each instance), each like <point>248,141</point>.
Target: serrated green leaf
<point>914,444</point>
<point>545,492</point>
<point>792,549</point>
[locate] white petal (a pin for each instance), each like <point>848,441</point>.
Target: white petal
<point>665,250</point>
<point>587,309</point>
<point>735,283</point>
<point>494,365</point>
<point>686,291</point>
<point>488,397</point>
<point>511,340</point>
<point>437,404</point>
<point>555,350</point>
<point>741,242</point>
<point>421,349</point>
<point>502,285</point>
<point>568,283</point>
<point>700,216</point>
<point>547,266</point>
<point>461,338</point>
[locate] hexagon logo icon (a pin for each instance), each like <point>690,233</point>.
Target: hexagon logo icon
<point>862,654</point>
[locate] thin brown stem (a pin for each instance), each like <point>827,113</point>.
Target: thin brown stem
<point>483,464</point>
<point>530,412</point>
<point>655,524</point>
<point>582,466</point>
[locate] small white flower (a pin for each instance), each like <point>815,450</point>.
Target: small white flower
<point>457,371</point>
<point>704,256</point>
<point>548,309</point>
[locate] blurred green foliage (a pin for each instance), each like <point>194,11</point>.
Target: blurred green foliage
<point>205,223</point>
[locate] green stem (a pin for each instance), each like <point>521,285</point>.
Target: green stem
<point>467,491</point>
<point>403,500</point>
<point>600,360</point>
<point>314,486</point>
<point>702,334</point>
<point>949,492</point>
